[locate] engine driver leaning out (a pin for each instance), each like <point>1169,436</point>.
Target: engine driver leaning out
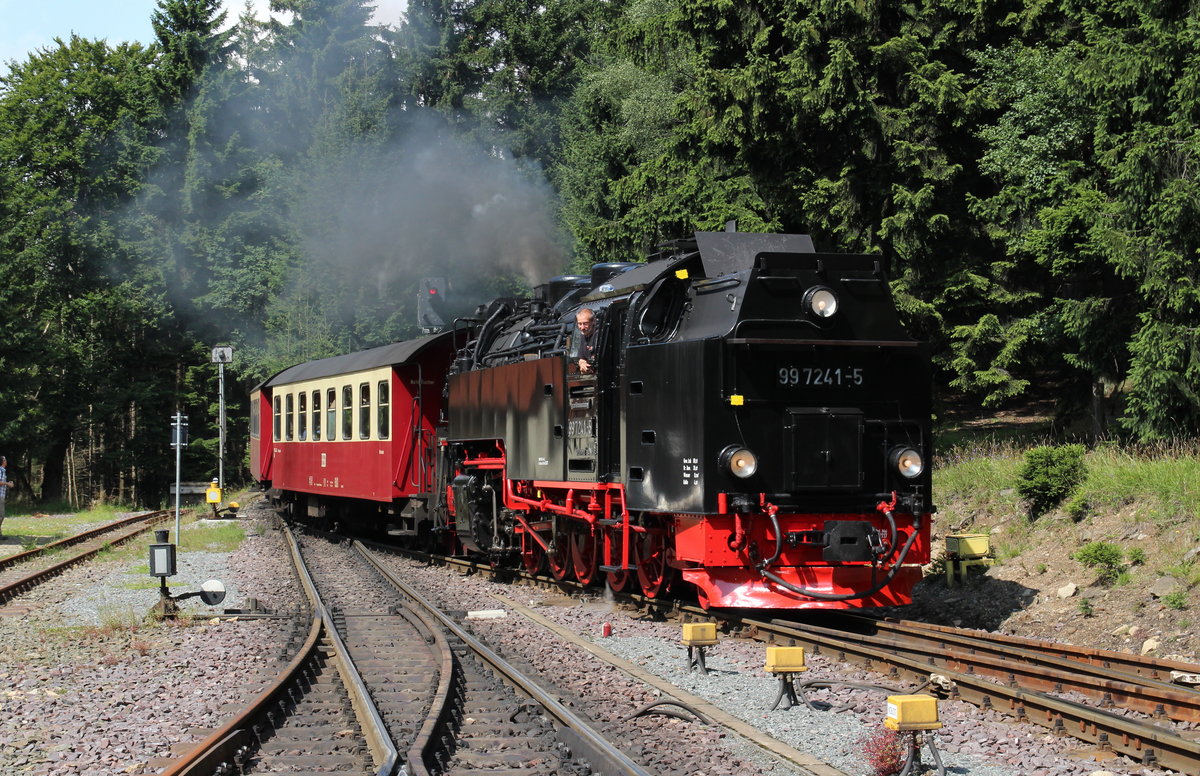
<point>585,346</point>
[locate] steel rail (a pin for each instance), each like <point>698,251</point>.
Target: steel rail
<point>1010,659</point>
<point>29,581</point>
<point>379,741</point>
<point>1140,740</point>
<point>82,536</point>
<point>1142,666</point>
<point>234,739</point>
<point>605,758</point>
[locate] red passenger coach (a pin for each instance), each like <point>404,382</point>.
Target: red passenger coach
<point>353,437</point>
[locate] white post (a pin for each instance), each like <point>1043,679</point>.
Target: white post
<point>221,420</point>
<point>178,440</point>
<point>221,355</point>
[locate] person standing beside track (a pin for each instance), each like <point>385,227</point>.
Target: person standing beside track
<point>4,486</point>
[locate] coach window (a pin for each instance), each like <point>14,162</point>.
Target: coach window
<point>364,411</point>
<point>347,411</point>
<point>382,409</point>
<point>303,417</point>
<point>331,414</point>
<point>254,410</point>
<point>316,410</point>
<point>289,422</point>
<point>278,417</point>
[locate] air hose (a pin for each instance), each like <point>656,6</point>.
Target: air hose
<point>884,507</point>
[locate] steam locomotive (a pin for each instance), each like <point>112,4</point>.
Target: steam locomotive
<point>754,425</point>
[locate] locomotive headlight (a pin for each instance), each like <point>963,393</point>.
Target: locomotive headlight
<point>821,302</point>
<point>739,461</point>
<point>907,461</point>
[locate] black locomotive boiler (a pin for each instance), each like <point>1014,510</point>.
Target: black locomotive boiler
<point>755,423</point>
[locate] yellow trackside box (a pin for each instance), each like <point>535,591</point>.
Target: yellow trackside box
<point>968,545</point>
<point>912,712</point>
<point>783,660</point>
<point>699,634</point>
<point>213,494</point>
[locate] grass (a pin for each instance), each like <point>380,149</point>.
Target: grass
<point>1162,482</point>
<point>1164,479</point>
<point>980,478</point>
<point>39,528</point>
<point>1155,483</point>
<point>43,526</point>
<point>213,537</point>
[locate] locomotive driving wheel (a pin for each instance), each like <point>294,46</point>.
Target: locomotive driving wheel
<point>558,560</point>
<point>584,553</point>
<point>654,573</point>
<point>533,557</point>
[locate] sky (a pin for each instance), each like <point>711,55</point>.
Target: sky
<point>28,25</point>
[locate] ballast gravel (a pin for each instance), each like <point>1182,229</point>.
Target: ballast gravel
<point>839,732</point>
<point>90,689</point>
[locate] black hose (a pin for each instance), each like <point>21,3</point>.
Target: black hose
<point>778,540</point>
<point>891,533</point>
<point>650,708</point>
<point>762,568</point>
<point>486,334</point>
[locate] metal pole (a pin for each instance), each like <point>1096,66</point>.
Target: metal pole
<point>221,447</point>
<point>178,458</point>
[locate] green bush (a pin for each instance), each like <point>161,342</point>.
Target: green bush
<point>1101,555</point>
<point>1077,507</point>
<point>1136,556</point>
<point>1175,600</point>
<point>1049,475</point>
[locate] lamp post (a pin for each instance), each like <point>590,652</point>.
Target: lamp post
<point>221,355</point>
<point>179,427</point>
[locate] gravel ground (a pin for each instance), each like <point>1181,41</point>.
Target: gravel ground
<point>970,742</point>
<point>91,689</point>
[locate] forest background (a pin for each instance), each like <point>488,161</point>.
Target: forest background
<point>1024,168</point>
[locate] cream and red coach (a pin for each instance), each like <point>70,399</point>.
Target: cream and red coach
<point>353,437</point>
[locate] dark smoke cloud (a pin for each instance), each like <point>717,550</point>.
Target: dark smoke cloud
<point>433,206</point>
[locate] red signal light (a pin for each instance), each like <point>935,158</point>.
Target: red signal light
<point>433,292</point>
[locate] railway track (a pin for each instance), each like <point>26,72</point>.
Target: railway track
<point>1116,702</point>
<point>24,571</point>
<point>995,682</point>
<point>426,696</point>
<point>1110,679</point>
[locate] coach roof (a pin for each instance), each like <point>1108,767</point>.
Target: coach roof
<point>396,354</point>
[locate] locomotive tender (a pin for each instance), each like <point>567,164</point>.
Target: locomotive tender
<point>757,424</point>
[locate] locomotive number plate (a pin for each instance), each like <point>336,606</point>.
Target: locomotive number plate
<point>836,376</point>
